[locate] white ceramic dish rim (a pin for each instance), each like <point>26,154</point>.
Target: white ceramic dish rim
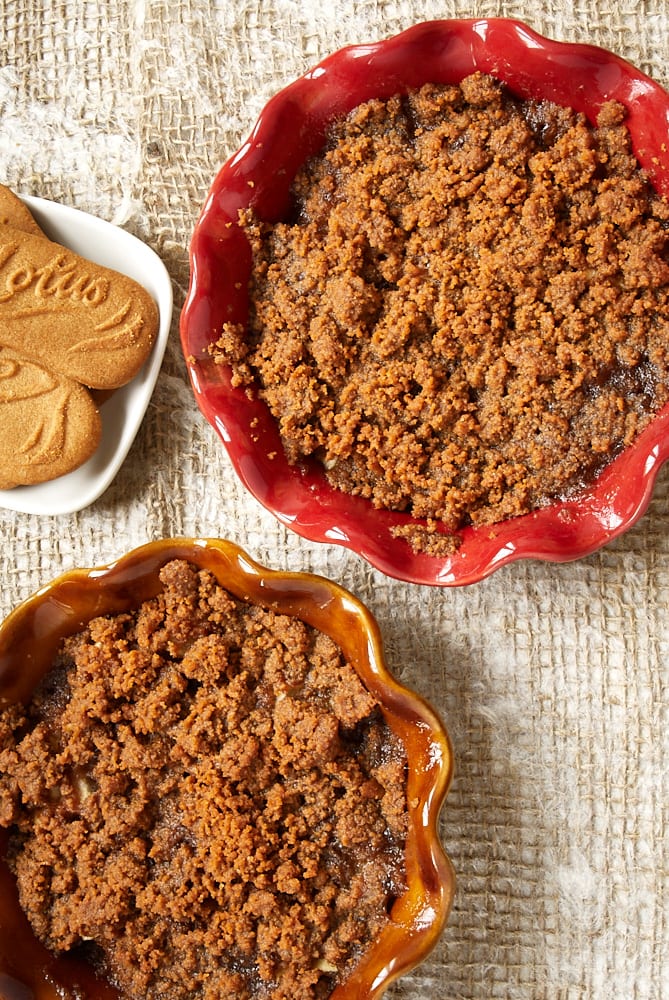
<point>123,412</point>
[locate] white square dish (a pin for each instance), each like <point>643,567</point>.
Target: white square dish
<point>123,412</point>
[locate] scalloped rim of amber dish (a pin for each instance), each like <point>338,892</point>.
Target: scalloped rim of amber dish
<point>30,637</point>
<point>292,127</point>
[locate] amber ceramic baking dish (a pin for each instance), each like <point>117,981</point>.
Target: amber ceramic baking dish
<point>29,640</point>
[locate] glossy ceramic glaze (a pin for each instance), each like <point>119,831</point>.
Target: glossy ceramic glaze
<point>29,639</point>
<point>259,175</point>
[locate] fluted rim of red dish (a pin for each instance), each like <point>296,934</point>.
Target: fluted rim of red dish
<point>31,635</point>
<point>290,128</point>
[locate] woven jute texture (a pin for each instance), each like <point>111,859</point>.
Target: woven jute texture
<point>552,679</point>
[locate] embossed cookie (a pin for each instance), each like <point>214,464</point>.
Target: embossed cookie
<point>85,321</point>
<point>49,422</point>
<point>15,213</point>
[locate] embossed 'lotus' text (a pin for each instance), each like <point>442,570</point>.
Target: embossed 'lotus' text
<point>56,279</point>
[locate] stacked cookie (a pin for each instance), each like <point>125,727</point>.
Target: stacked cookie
<point>69,329</point>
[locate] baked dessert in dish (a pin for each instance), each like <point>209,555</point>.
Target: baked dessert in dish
<point>440,317</point>
<point>467,314</point>
<point>211,786</point>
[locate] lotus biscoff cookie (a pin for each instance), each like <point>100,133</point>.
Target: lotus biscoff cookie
<point>15,213</point>
<point>50,424</point>
<point>83,320</point>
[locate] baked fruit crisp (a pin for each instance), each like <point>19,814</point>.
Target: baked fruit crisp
<point>203,796</point>
<point>466,315</point>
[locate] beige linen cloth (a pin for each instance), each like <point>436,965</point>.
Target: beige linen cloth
<point>552,679</point>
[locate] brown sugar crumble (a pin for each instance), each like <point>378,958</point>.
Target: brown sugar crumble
<point>205,801</point>
<point>466,316</point>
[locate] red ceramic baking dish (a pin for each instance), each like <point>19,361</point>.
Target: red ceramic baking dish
<point>259,175</point>
<point>414,913</point>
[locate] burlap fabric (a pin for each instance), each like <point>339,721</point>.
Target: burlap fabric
<point>551,679</point>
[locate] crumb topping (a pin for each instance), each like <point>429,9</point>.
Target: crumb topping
<point>466,316</point>
<point>204,801</point>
